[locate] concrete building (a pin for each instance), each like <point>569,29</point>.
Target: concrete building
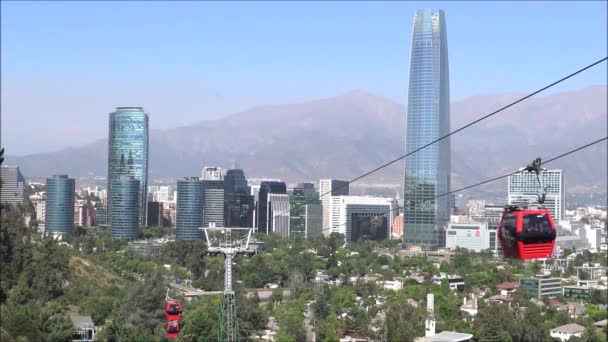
<point>397,229</point>
<point>213,197</point>
<point>60,192</point>
<point>361,217</point>
<point>329,188</point>
<point>12,191</point>
<point>84,214</point>
<point>542,285</point>
<point>523,187</point>
<point>278,214</point>
<point>472,236</point>
<point>39,203</point>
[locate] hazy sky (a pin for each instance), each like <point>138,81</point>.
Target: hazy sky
<point>65,65</point>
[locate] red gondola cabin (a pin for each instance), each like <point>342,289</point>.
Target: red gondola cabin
<point>526,233</point>
<point>173,311</point>
<point>172,329</point>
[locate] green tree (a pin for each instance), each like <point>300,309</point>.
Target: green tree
<point>493,322</point>
<point>404,322</point>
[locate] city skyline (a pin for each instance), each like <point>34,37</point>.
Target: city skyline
<point>102,67</point>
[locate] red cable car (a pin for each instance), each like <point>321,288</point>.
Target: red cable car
<point>173,311</point>
<point>528,232</point>
<point>172,329</point>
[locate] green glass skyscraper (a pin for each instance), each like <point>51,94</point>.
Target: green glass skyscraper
<point>60,205</point>
<point>189,208</point>
<point>124,203</point>
<point>128,153</point>
<point>427,172</point>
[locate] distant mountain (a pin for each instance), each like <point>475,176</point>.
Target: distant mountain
<point>348,135</point>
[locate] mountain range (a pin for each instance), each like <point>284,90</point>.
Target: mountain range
<point>348,135</point>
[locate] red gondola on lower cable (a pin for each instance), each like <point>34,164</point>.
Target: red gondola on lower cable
<point>526,233</point>
<point>173,311</point>
<point>172,329</point>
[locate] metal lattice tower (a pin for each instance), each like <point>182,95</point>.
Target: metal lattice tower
<point>229,323</point>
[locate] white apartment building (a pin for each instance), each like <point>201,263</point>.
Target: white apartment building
<point>329,188</point>
<point>523,187</point>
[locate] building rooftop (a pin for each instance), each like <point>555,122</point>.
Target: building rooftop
<point>82,321</point>
<point>507,285</point>
<point>446,336</point>
<point>572,328</point>
<point>601,323</point>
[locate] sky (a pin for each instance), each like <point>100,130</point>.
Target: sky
<point>66,65</point>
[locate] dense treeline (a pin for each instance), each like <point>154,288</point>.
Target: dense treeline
<point>43,282</point>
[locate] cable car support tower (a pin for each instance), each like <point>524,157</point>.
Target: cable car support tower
<point>229,325</point>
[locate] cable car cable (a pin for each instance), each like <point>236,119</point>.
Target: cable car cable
<point>489,180</point>
<point>451,133</point>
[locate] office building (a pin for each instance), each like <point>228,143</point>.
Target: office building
<point>427,172</point>
<point>155,214</point>
<point>267,188</point>
<point>124,201</point>
<point>361,217</point>
<point>542,285</point>
<point>101,214</point>
<point>472,236</point>
<point>238,202</point>
<point>128,154</point>
<point>278,214</point>
<point>523,188</point>
<point>190,209</point>
<point>313,227</point>
<point>60,191</point>
<point>305,213</point>
<point>12,191</point>
<point>213,173</point>
<point>213,197</point>
<point>297,218</point>
<point>329,188</point>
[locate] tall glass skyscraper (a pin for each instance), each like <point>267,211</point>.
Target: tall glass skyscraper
<point>124,203</point>
<point>189,208</point>
<point>60,204</point>
<point>427,172</point>
<point>128,153</point>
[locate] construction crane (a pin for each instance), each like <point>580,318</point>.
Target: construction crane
<point>229,325</point>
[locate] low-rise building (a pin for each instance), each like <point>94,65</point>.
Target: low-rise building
<point>542,285</point>
<point>455,282</point>
<point>565,332</point>
<point>576,292</point>
<point>507,287</point>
